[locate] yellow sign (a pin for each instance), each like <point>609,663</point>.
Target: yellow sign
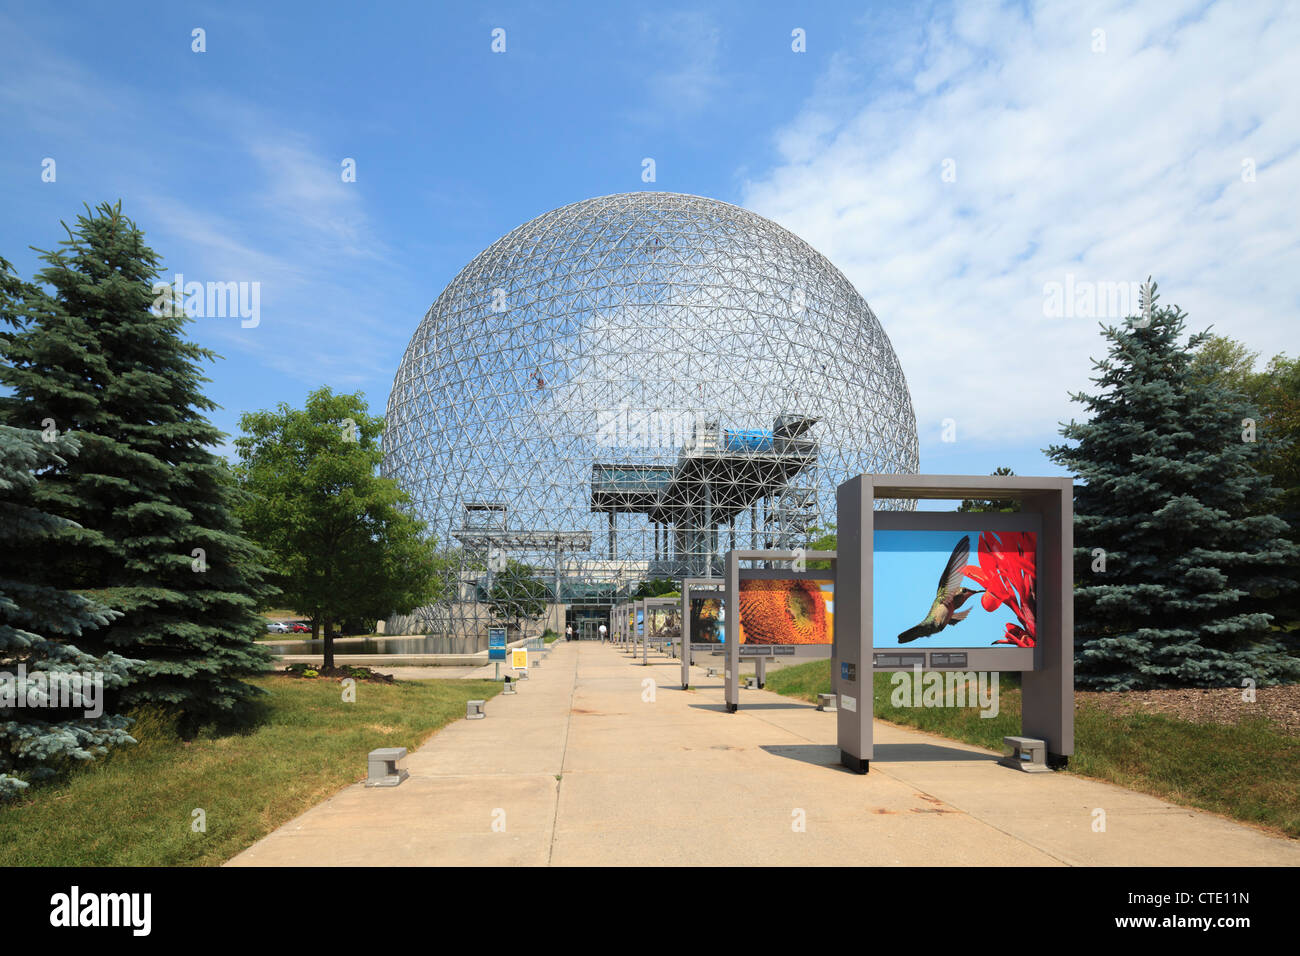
<point>519,658</point>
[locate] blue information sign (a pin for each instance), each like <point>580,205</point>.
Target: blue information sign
<point>496,643</point>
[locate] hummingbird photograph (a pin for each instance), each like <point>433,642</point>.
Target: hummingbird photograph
<point>951,595</point>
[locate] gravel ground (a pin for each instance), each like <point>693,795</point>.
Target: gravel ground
<point>1204,705</point>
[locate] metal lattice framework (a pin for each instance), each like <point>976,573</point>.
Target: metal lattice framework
<point>623,388</point>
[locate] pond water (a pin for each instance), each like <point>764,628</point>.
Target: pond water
<point>364,645</point>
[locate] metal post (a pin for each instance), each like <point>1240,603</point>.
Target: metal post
<point>708,530</point>
<point>732,621</point>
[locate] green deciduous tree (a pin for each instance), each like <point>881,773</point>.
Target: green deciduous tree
<point>821,539</point>
<point>342,540</point>
<point>517,594</point>
<point>151,529</point>
<point>1275,393</point>
<point>1170,541</point>
<point>656,587</point>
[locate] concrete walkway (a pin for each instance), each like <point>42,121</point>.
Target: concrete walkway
<point>579,768</point>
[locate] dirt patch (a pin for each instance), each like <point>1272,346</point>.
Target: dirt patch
<point>310,672</point>
<point>1203,705</point>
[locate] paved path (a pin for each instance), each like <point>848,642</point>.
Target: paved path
<point>578,769</point>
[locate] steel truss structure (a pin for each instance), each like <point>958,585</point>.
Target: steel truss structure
<point>622,389</point>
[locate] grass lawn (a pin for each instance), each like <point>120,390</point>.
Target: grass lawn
<point>1249,771</point>
<point>134,808</point>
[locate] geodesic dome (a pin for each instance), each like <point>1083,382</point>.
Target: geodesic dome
<point>623,388</point>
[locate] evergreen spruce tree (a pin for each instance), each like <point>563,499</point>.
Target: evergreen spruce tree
<point>154,536</point>
<point>1170,497</point>
<point>40,627</point>
<point>39,624</point>
<point>997,504</point>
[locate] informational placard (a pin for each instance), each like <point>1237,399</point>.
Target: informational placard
<point>977,592</point>
<point>519,658</point>
<point>783,609</point>
<point>496,643</point>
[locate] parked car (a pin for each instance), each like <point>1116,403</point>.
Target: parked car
<point>298,627</point>
<point>277,627</point>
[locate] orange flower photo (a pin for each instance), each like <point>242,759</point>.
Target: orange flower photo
<point>776,611</point>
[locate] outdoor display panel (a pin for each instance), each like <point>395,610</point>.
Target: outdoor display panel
<point>785,612</point>
<point>956,591</point>
<point>635,625</point>
<point>955,582</point>
<point>703,620</point>
<point>660,622</point>
<point>706,622</point>
<point>663,621</point>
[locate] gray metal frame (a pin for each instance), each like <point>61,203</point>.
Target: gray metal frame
<point>700,586</point>
<point>735,573</point>
<point>1048,671</point>
<point>638,630</point>
<point>647,605</point>
<point>618,623</point>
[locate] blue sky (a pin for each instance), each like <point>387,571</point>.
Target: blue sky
<point>952,161</point>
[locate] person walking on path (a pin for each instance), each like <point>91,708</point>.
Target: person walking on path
<point>568,633</point>
<point>602,633</point>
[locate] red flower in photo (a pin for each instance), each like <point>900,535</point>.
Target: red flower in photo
<point>1008,575</point>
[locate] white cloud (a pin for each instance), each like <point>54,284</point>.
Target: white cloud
<point>1108,166</point>
<point>689,77</point>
